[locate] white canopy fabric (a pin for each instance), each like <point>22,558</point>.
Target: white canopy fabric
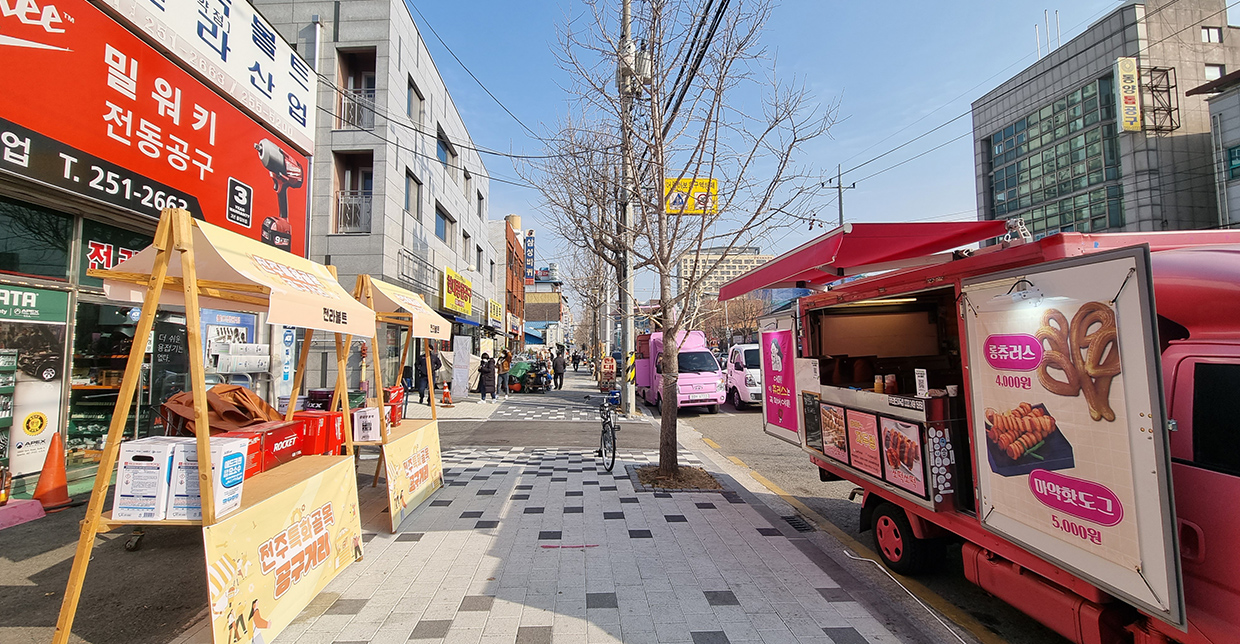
<point>303,293</point>
<point>390,298</point>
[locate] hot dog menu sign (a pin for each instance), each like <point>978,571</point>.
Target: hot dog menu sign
<point>1065,420</point>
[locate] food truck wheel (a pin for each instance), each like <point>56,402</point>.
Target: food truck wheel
<point>898,548</point>
<point>736,400</point>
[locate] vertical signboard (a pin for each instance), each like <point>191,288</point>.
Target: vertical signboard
<point>32,335</point>
<point>228,42</point>
<point>495,314</point>
<point>1069,423</point>
<point>137,132</point>
<point>1128,94</point>
<point>529,257</point>
<point>779,383</point>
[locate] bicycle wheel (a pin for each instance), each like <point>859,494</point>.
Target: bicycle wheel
<point>607,445</point>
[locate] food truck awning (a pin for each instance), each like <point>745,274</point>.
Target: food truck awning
<point>293,291</point>
<point>390,298</point>
<point>859,248</point>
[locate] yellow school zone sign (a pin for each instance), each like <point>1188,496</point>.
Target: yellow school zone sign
<point>691,196</point>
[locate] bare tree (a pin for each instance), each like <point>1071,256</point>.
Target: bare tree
<point>726,319</point>
<point>591,278</point>
<point>710,108</point>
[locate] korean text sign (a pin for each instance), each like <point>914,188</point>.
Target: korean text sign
<point>414,469</point>
<point>1071,450</point>
<point>267,561</point>
<point>136,131</point>
<point>228,40</point>
<point>529,256</point>
<point>778,379</point>
<point>1128,94</point>
<point>457,292</point>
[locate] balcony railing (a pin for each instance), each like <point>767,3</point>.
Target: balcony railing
<point>356,109</point>
<point>353,209</point>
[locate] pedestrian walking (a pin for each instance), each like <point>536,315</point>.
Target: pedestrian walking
<point>486,377</point>
<point>504,366</point>
<point>421,381</point>
<point>576,361</point>
<point>557,369</point>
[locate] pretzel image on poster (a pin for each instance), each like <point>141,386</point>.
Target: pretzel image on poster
<point>1086,351</point>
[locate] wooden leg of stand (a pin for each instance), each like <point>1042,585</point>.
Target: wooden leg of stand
<point>107,462</point>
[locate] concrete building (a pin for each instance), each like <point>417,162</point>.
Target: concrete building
<point>1223,97</point>
<point>738,261</point>
<point>399,191</point>
<point>546,306</point>
<point>1050,146</point>
<point>506,234</point>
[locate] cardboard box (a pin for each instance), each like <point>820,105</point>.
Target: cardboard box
<point>395,413</point>
<point>394,395</point>
<point>228,465</point>
<point>282,441</point>
<point>314,431</point>
<point>366,425</point>
<point>143,479</point>
<point>254,450</point>
<point>334,438</point>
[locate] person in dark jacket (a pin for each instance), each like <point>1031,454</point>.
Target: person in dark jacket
<point>420,380</point>
<point>557,369</point>
<point>486,377</point>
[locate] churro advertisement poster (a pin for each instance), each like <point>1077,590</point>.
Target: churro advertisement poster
<point>778,379</point>
<point>1060,437</point>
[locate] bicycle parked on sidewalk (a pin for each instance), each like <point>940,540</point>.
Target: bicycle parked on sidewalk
<point>611,423</point>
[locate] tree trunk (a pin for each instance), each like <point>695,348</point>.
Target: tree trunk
<point>668,463</point>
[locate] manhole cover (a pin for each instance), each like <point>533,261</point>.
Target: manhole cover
<point>799,524</point>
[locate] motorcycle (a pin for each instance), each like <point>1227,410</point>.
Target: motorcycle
<point>538,379</point>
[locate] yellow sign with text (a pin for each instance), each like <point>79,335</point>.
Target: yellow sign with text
<point>414,470</point>
<point>1128,94</point>
<point>691,196</point>
<point>266,562</point>
<point>457,292</point>
<point>495,314</point>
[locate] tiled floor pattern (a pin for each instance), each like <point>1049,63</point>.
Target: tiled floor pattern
<point>541,546</point>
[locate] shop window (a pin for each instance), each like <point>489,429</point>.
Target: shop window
<point>1216,442</point>
<point>35,242</point>
<point>104,247</point>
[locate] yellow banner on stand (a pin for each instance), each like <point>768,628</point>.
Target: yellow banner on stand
<point>266,562</point>
<point>414,469</point>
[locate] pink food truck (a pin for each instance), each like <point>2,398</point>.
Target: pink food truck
<point>700,383</point>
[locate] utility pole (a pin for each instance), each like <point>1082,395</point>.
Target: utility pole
<point>840,188</point>
<point>629,82</point>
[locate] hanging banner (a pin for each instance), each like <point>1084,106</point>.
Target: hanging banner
<point>462,346</point>
<point>1069,423</point>
<point>529,257</point>
<point>1128,94</point>
<point>778,380</point>
<point>138,132</point>
<point>32,363</point>
<point>230,43</point>
<point>266,562</point>
<point>414,469</point>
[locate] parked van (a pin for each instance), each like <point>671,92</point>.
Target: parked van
<point>700,383</point>
<point>743,372</point>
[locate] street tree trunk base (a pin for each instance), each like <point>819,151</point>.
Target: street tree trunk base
<point>685,478</point>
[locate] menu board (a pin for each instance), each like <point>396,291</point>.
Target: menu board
<point>863,442</point>
<point>1068,422</point>
<point>813,419</point>
<point>834,433</point>
<point>903,456</point>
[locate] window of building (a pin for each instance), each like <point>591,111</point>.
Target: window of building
<point>1233,163</point>
<point>1216,443</point>
<point>478,264</point>
<point>1215,72</point>
<point>413,196</point>
<point>443,224</point>
<point>465,239</point>
<point>441,152</point>
<point>468,183</point>
<point>36,241</point>
<point>492,271</point>
<point>481,209</point>
<point>413,103</point>
<point>1211,34</point>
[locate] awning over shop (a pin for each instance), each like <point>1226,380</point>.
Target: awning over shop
<point>390,298</point>
<point>860,248</point>
<point>292,290</point>
<point>466,321</point>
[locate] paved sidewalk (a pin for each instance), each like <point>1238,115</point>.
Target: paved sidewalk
<point>533,545</point>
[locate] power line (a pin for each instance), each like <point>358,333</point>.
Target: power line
<point>471,74</point>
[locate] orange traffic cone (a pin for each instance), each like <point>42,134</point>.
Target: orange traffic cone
<point>447,397</point>
<point>52,491</point>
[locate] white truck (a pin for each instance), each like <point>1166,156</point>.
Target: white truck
<point>743,372</point>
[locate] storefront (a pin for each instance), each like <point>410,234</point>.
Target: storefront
<point>456,296</point>
<point>78,194</point>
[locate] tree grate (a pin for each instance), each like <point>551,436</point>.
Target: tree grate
<point>799,524</point>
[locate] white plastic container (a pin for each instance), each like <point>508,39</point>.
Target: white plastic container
<point>143,479</point>
<point>227,476</point>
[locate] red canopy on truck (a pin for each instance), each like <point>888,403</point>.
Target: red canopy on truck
<point>860,248</point>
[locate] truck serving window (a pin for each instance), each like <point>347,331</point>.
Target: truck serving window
<point>696,361</point>
<point>753,359</point>
<point>1216,406</point>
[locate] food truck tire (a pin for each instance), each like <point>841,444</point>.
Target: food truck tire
<point>736,400</point>
<point>825,476</point>
<point>893,537</point>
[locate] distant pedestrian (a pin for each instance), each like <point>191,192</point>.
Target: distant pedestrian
<point>504,366</point>
<point>421,381</point>
<point>557,369</point>
<point>576,361</point>
<point>486,377</point>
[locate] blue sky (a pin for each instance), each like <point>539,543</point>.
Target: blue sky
<point>898,70</point>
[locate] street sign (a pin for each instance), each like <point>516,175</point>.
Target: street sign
<point>691,196</point>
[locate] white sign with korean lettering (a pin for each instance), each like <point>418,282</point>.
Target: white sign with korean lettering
<point>239,53</point>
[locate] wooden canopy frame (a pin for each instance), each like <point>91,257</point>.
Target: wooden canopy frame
<point>175,234</point>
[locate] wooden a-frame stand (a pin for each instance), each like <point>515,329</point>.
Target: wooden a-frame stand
<point>175,235</point>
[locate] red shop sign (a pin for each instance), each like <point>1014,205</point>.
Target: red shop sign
<point>90,108</point>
